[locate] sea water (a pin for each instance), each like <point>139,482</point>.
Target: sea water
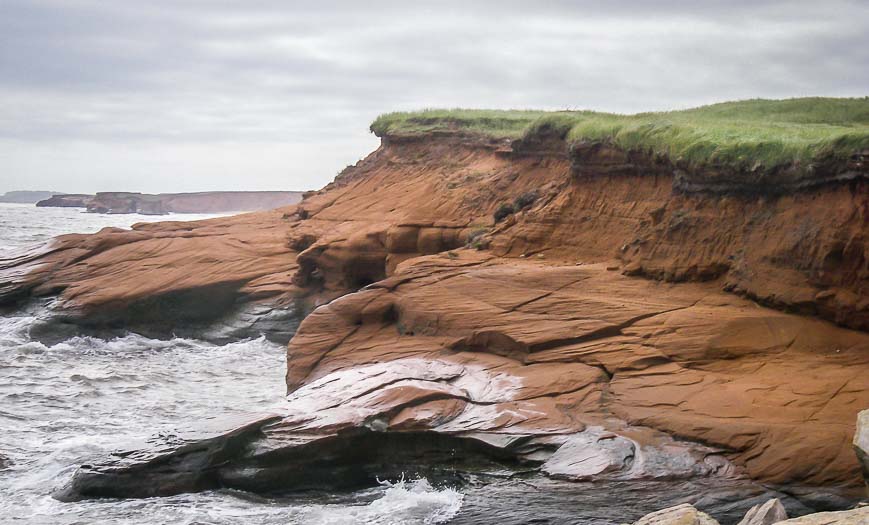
<point>66,404</point>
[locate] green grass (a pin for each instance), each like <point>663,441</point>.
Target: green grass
<point>746,134</point>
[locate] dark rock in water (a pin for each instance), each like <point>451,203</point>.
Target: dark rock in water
<point>823,498</point>
<point>245,459</point>
<point>229,323</point>
<point>187,466</point>
<point>4,462</point>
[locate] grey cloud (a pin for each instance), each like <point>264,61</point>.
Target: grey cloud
<point>81,75</point>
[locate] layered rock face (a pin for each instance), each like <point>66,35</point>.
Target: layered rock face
<point>615,327</point>
<point>157,278</point>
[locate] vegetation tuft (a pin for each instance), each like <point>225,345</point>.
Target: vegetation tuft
<point>745,134</point>
<point>477,240</point>
<point>503,211</point>
<point>525,200</point>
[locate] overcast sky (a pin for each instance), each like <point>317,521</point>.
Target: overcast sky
<point>173,95</point>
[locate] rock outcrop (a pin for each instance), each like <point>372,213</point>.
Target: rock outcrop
<point>613,328</point>
<point>765,514</point>
<point>158,278</point>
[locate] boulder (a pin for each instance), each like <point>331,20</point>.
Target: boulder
<point>589,454</point>
<point>861,444</point>
<point>684,514</point>
<point>765,514</point>
<point>858,516</point>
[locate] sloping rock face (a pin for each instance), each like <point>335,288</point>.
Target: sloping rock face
<point>597,337</point>
<point>775,391</point>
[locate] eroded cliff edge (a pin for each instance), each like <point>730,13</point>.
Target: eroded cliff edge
<point>614,303</point>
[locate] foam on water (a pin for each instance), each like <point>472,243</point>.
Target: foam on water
<point>413,502</point>
<point>67,404</point>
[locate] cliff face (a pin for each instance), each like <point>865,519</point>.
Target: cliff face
<point>66,200</point>
<point>612,301</point>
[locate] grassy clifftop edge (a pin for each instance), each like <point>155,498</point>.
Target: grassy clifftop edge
<point>745,134</point>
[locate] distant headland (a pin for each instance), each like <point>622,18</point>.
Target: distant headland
<point>28,196</point>
<point>163,203</point>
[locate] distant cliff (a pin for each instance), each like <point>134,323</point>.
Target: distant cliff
<point>162,203</point>
<point>66,200</point>
<point>27,196</point>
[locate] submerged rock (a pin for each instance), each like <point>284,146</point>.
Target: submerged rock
<point>684,514</point>
<point>765,514</point>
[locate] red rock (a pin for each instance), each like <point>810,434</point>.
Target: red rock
<point>485,344</point>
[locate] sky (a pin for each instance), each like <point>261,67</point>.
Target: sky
<point>196,95</point>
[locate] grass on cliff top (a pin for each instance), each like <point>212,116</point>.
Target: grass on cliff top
<point>744,133</point>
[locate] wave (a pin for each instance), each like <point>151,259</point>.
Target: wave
<point>414,502</point>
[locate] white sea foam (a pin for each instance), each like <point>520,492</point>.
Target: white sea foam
<point>402,503</point>
<point>70,403</point>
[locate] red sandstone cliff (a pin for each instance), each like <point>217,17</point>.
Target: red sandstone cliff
<point>732,317</point>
